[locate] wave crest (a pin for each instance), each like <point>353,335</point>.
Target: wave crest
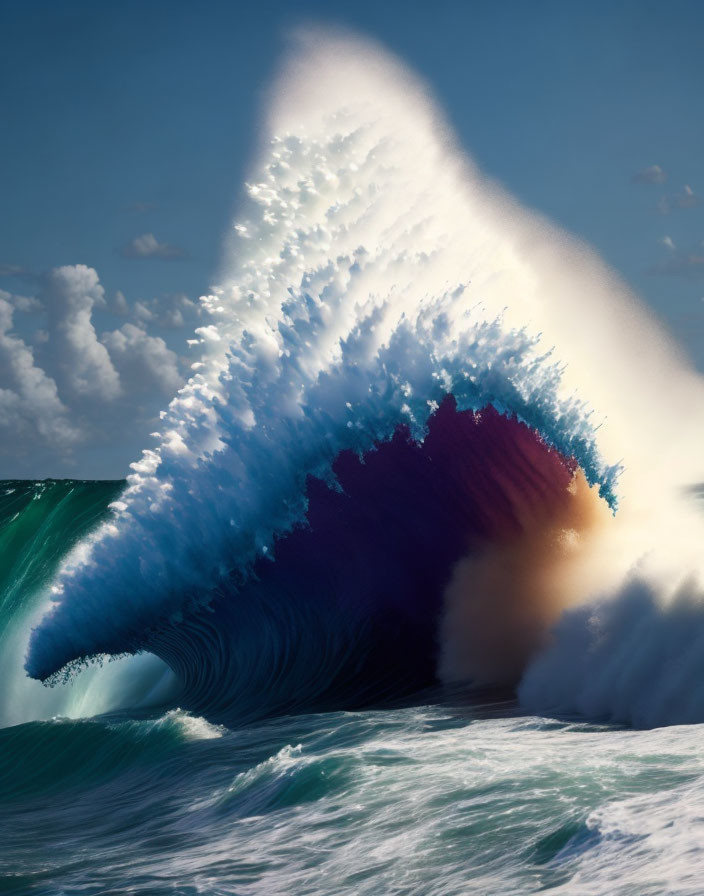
<point>372,273</point>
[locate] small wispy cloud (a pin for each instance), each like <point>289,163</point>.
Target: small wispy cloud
<point>119,303</point>
<point>681,262</point>
<point>687,198</point>
<point>148,246</point>
<point>654,174</point>
<point>141,208</point>
<point>14,270</point>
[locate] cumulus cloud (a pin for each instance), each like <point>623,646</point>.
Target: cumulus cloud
<point>148,246</point>
<point>144,361</point>
<point>654,174</point>
<point>30,406</point>
<point>81,363</point>
<point>72,403</point>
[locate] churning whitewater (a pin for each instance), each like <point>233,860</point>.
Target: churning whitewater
<point>429,439</point>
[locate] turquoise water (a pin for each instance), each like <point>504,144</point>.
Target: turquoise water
<point>39,524</point>
<point>429,799</point>
<point>448,796</point>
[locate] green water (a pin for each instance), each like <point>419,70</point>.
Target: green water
<point>39,524</point>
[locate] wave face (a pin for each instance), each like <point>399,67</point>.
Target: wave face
<point>41,523</point>
<point>397,461</point>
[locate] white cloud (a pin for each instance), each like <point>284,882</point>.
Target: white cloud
<point>119,303</point>
<point>26,303</point>
<point>81,364</point>
<point>74,404</point>
<point>654,174</point>
<point>145,362</point>
<point>173,319</point>
<point>15,270</point>
<point>142,312</point>
<point>147,246</point>
<point>682,262</point>
<point>22,303</point>
<point>170,312</point>
<point>687,198</point>
<point>29,401</point>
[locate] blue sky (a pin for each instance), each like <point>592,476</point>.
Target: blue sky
<point>127,129</point>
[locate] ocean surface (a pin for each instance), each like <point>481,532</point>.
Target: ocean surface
<point>455,792</point>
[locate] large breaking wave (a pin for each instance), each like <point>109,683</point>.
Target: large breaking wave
<point>424,426</point>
